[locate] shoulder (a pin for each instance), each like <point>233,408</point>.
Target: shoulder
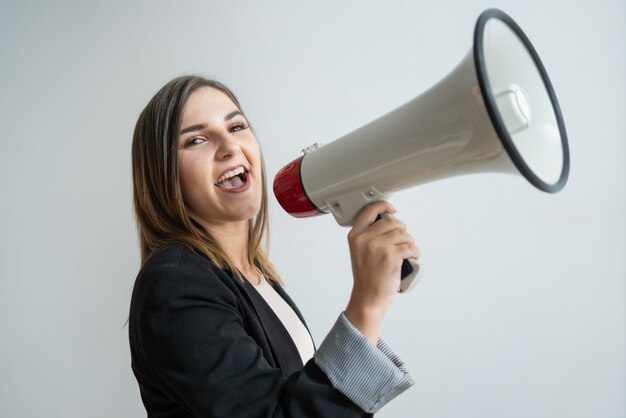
<point>179,260</point>
<point>177,270</point>
<point>176,256</point>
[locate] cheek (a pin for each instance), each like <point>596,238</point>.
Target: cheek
<point>253,152</point>
<point>184,187</point>
<point>192,178</point>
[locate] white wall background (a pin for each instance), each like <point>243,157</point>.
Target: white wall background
<point>521,312</point>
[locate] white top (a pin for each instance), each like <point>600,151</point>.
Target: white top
<point>298,332</point>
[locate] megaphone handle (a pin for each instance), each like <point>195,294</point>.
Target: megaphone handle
<point>411,271</point>
<point>411,274</point>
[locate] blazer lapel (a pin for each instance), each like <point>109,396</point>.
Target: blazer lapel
<point>284,350</point>
<point>279,289</point>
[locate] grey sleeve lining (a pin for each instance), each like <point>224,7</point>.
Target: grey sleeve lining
<point>369,376</point>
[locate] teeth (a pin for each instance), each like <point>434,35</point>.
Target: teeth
<point>230,174</point>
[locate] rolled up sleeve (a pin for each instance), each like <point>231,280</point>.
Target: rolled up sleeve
<point>369,376</point>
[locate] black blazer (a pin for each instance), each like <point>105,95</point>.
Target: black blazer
<point>205,344</point>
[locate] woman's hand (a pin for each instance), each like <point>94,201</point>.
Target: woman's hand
<point>377,249</point>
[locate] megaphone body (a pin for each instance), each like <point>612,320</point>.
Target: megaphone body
<point>495,112</point>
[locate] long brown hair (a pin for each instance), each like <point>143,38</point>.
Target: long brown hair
<point>159,208</point>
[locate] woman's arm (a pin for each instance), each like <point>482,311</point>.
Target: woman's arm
<point>377,249</point>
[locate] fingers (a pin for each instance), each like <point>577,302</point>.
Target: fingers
<point>409,251</point>
<point>399,244</point>
<point>387,236</point>
<point>368,215</point>
<point>377,248</point>
<point>386,226</point>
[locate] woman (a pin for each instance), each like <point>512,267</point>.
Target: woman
<point>212,332</point>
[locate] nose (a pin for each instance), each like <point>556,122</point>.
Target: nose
<point>228,148</point>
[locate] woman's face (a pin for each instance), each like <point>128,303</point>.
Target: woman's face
<point>219,160</point>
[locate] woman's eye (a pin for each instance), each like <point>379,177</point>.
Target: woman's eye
<point>238,127</point>
<point>194,141</point>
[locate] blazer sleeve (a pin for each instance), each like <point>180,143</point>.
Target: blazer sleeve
<point>189,331</point>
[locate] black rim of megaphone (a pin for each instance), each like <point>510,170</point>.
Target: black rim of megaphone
<point>492,108</point>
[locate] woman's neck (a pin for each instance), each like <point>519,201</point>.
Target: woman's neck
<point>233,238</point>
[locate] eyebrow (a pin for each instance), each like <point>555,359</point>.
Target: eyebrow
<point>201,126</point>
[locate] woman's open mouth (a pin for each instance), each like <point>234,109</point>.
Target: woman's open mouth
<point>235,180</point>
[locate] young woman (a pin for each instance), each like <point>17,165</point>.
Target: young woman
<point>212,332</point>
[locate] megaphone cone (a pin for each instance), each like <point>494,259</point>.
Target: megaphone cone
<point>495,112</point>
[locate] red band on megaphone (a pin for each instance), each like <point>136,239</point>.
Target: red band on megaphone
<point>290,193</point>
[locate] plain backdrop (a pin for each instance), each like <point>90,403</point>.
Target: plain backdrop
<point>521,312</point>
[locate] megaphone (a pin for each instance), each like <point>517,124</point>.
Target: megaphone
<point>495,112</point>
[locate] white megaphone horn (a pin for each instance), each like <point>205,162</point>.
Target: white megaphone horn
<point>495,112</point>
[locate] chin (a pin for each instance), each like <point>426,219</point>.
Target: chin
<point>246,214</point>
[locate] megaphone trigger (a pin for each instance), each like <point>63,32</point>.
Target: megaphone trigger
<point>411,271</point>
<point>411,274</point>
